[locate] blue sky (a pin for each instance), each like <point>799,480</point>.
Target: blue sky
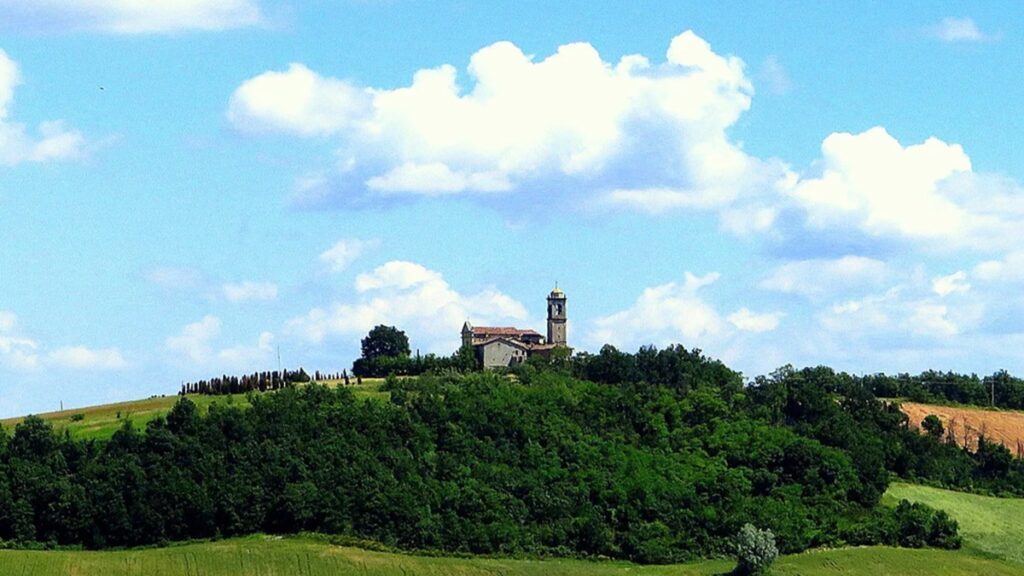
<point>188,188</point>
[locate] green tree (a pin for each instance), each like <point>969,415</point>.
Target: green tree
<point>933,426</point>
<point>385,341</point>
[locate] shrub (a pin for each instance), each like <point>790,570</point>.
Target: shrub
<point>755,550</point>
<point>918,525</point>
<point>77,417</point>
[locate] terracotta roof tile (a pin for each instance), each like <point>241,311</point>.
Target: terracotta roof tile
<point>486,331</point>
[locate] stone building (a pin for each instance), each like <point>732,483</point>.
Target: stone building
<point>497,347</point>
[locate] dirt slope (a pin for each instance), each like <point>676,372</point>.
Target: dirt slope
<point>964,425</point>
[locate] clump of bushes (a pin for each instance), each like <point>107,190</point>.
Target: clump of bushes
<point>909,525</point>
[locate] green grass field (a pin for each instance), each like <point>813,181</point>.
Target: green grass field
<point>100,422</point>
<point>989,526</point>
<point>268,556</point>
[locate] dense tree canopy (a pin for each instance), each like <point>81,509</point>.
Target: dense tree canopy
<point>385,341</point>
<point>656,456</point>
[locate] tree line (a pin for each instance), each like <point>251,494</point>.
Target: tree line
<point>386,351</point>
<point>1000,389</point>
<point>657,456</point>
<point>255,382</point>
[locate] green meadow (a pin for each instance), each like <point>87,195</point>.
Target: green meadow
<point>100,422</point>
<point>301,556</point>
<point>990,526</point>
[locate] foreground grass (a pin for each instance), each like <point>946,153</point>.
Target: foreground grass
<point>268,556</point>
<point>100,422</point>
<point>990,526</point>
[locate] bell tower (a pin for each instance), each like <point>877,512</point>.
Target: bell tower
<point>557,318</point>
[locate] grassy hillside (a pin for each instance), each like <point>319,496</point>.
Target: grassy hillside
<point>991,526</point>
<point>269,556</point>
<point>100,422</point>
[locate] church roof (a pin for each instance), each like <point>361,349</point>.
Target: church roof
<point>484,331</point>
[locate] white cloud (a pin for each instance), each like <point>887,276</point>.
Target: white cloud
<point>954,283</point>
<point>1008,270</point>
<point>20,352</point>
<point>928,193</point>
<point>249,291</point>
<point>933,319</point>
<point>16,352</point>
<point>748,321</point>
<point>901,314</point>
<point>957,30</point>
<point>195,345</point>
<point>53,142</point>
<point>656,134</point>
<point>413,298</point>
<point>885,188</point>
<point>130,16</point>
<point>344,252</point>
<point>824,278</point>
<point>437,178</point>
<point>244,355</point>
<point>297,101</point>
<point>194,340</point>
<point>83,358</point>
<point>676,313</point>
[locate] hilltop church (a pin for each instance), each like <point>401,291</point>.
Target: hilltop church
<point>498,347</point>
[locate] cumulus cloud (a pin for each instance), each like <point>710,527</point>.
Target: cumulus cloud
<point>297,101</point>
<point>344,252</point>
<point>83,358</point>
<point>17,145</point>
<point>655,134</point>
<point>925,193</point>
<point>129,16</point>
<point>958,30</point>
<point>677,313</point>
<point>195,345</point>
<point>823,278</point>
<point>248,291</point>
<point>413,297</point>
<point>884,187</point>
